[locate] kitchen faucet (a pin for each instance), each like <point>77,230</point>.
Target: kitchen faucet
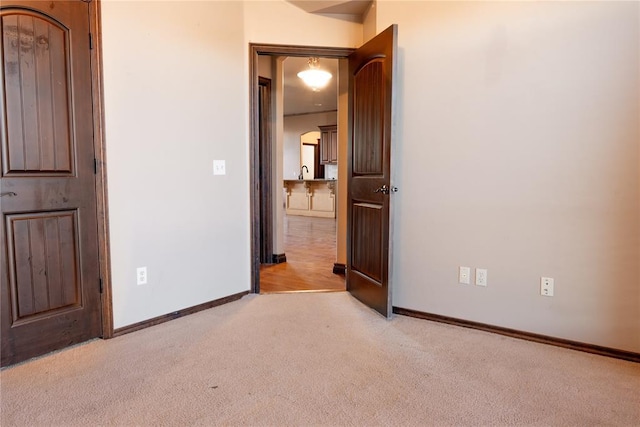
<point>303,167</point>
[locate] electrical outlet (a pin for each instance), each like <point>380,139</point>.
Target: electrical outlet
<point>141,275</point>
<point>546,286</point>
<point>464,275</point>
<point>219,167</point>
<point>481,277</point>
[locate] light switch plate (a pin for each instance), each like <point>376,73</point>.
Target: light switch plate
<point>219,167</point>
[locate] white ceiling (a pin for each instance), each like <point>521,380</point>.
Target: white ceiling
<point>355,8</point>
<point>299,98</point>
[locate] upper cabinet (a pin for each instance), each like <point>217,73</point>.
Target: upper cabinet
<point>329,144</point>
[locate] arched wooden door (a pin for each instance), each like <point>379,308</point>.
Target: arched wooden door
<point>50,290</point>
<point>371,69</point>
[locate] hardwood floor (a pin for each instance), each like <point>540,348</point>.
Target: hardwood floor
<point>310,247</point>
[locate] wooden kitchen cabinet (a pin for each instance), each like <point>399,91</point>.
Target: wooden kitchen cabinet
<point>329,144</point>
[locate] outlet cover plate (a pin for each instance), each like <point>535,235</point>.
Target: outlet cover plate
<point>546,286</point>
<point>481,277</point>
<point>141,275</point>
<point>219,167</point>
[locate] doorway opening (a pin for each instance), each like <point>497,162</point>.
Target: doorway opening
<point>306,247</point>
<point>368,128</point>
<point>310,245</point>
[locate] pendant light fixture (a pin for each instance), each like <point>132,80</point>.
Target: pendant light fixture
<point>314,77</point>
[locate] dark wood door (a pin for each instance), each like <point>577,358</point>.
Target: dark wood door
<point>265,181</point>
<point>324,146</point>
<point>329,144</point>
<point>371,70</point>
<point>318,167</point>
<point>50,290</point>
<point>333,146</point>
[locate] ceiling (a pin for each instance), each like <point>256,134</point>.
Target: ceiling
<point>299,98</point>
<point>353,9</point>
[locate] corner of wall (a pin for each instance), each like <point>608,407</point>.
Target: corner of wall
<point>369,29</point>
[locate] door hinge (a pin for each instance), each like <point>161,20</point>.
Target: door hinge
<point>95,166</point>
<point>90,41</point>
<point>100,280</point>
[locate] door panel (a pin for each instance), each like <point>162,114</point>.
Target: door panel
<point>43,263</point>
<point>368,120</point>
<point>370,81</point>
<point>50,291</point>
<point>36,72</point>
<point>367,244</point>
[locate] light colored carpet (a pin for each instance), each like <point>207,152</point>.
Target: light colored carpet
<point>310,359</point>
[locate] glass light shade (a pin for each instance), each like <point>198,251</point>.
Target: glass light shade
<point>314,78</point>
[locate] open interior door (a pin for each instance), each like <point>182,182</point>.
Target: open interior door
<point>371,70</point>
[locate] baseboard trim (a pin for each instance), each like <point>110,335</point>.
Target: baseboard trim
<point>528,336</point>
<point>278,258</point>
<point>339,268</point>
<point>176,314</point>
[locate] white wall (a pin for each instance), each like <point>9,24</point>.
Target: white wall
<point>294,126</point>
<point>517,150</point>
<point>307,155</point>
<point>265,64</point>
<point>369,24</point>
<point>175,101</point>
<point>277,155</point>
<point>280,22</point>
<point>176,97</point>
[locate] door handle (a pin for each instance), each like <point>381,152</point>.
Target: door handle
<point>8,193</point>
<point>386,190</point>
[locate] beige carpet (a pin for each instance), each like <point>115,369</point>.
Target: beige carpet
<point>310,359</point>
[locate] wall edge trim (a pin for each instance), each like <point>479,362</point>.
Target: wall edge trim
<point>527,336</point>
<point>339,268</point>
<point>278,258</point>
<point>176,314</point>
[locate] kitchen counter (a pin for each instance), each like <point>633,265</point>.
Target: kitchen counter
<point>311,197</point>
<point>310,180</point>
